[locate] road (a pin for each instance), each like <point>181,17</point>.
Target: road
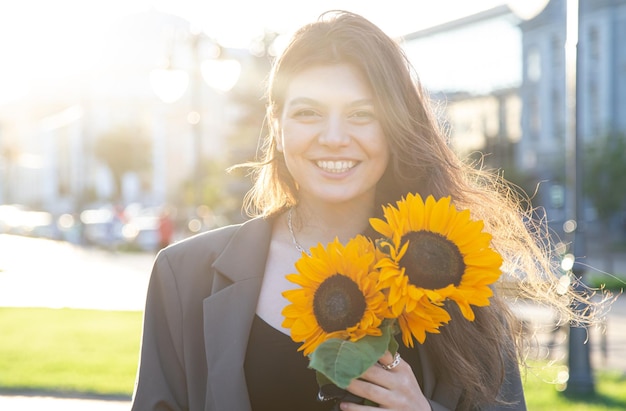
<point>44,273</point>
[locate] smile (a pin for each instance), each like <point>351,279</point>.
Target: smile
<point>336,166</point>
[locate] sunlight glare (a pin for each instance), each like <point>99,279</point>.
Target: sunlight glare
<point>61,45</point>
<point>44,41</point>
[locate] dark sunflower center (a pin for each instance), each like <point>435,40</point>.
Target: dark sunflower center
<point>338,303</point>
<point>432,261</point>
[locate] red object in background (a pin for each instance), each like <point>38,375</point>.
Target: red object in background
<point>166,230</point>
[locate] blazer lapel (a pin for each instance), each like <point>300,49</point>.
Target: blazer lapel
<point>229,311</point>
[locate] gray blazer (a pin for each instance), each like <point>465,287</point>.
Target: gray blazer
<point>200,305</point>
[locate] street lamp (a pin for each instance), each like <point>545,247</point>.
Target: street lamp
<point>170,84</point>
<point>527,9</point>
<point>221,75</point>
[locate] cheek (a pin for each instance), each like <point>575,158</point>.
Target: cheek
<point>385,158</point>
<point>380,148</point>
<point>294,137</point>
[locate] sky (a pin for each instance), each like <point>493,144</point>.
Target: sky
<point>48,39</point>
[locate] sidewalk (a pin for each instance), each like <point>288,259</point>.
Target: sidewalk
<point>32,403</point>
<point>607,340</point>
<point>37,272</point>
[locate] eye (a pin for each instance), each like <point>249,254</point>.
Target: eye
<point>306,115</point>
<point>362,115</point>
<point>306,112</point>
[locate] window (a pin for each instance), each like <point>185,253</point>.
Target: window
<point>557,115</point>
<point>557,50</point>
<point>594,44</point>
<point>533,64</point>
<point>534,117</point>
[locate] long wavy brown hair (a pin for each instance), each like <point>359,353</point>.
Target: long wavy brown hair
<point>470,355</point>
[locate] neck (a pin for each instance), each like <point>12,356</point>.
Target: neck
<point>313,225</point>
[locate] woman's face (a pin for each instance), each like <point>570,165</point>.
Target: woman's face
<point>331,135</point>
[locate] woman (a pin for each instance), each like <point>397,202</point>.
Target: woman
<point>350,131</point>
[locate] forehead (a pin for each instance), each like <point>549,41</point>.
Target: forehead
<point>328,81</point>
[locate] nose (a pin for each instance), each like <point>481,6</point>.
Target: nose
<point>335,133</point>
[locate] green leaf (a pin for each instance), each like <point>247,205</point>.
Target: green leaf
<point>393,346</point>
<point>321,379</point>
<point>342,361</point>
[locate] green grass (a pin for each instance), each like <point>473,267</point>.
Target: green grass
<point>544,392</point>
<point>615,283</point>
<point>69,351</point>
<point>88,352</point>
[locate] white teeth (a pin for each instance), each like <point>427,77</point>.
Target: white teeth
<point>336,166</point>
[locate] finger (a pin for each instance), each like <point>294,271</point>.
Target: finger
<point>387,358</point>
<point>389,365</point>
<point>368,389</point>
<point>388,379</point>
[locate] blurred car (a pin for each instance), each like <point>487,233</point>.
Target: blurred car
<point>19,220</point>
<point>101,227</point>
<point>141,231</point>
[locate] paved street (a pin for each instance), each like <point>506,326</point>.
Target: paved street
<point>44,273</point>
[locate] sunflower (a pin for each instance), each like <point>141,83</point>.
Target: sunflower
<point>338,295</point>
<point>434,253</point>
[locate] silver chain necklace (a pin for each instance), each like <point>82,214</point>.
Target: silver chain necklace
<point>293,235</point>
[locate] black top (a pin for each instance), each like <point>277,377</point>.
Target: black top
<point>277,374</point>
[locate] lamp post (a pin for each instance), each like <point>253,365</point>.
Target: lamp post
<point>580,381</point>
<point>170,84</point>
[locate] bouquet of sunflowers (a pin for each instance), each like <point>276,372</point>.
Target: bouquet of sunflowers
<point>352,299</point>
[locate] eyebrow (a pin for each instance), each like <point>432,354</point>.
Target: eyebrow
<point>303,100</point>
<point>313,102</point>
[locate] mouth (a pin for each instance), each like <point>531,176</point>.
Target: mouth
<point>336,167</point>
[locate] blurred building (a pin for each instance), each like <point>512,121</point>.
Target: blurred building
<point>495,74</point>
<point>485,123</point>
<point>472,67</point>
<point>601,83</point>
<point>499,82</point>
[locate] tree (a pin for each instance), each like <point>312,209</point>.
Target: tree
<point>605,175</point>
<point>123,150</point>
<point>604,181</point>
